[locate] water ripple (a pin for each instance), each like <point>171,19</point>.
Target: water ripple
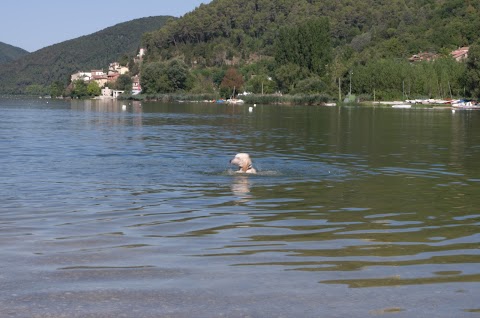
<point>143,205</point>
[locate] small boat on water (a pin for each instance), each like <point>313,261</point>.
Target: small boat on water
<point>402,106</point>
<point>235,101</point>
<point>465,104</point>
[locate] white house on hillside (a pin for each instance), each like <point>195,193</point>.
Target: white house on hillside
<point>84,76</point>
<point>100,77</point>
<point>110,93</point>
<point>461,54</point>
<point>98,73</point>
<point>117,68</point>
<point>140,56</point>
<point>107,92</point>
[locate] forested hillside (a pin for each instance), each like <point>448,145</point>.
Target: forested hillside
<point>10,53</point>
<point>35,72</point>
<point>364,37</point>
<point>251,26</point>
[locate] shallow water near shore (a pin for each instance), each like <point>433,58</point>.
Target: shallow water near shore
<point>355,212</point>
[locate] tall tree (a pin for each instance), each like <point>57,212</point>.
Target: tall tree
<point>154,78</point>
<point>307,45</point>
<point>159,77</point>
<point>56,89</point>
<point>472,73</point>
<point>124,83</point>
<point>232,82</point>
<point>261,84</point>
<point>79,89</point>
<point>93,89</point>
<point>178,74</point>
<point>288,75</point>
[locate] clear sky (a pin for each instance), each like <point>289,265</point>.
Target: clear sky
<point>35,24</point>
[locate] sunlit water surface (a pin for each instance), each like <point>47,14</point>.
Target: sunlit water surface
<point>355,212</point>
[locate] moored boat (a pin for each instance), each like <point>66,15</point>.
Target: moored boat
<point>235,101</point>
<point>465,104</point>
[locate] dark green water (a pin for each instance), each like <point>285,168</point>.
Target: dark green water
<point>355,212</point>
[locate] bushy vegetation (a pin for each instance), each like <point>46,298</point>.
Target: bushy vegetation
<point>307,45</point>
<point>297,99</point>
<point>169,77</point>
<point>472,74</point>
<point>398,79</point>
<point>174,97</point>
<point>82,89</point>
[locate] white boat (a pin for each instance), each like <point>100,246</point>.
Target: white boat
<point>465,104</point>
<point>235,101</point>
<point>402,106</point>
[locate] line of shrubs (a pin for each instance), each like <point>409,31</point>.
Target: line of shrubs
<point>249,99</point>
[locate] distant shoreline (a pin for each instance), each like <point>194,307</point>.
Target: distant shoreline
<point>285,100</point>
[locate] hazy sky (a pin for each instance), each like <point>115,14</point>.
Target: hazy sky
<point>34,24</point>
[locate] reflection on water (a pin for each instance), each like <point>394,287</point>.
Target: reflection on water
<point>241,186</point>
<point>354,210</point>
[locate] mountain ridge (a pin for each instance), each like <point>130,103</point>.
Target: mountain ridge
<point>55,63</point>
<point>10,53</point>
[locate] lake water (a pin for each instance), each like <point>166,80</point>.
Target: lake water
<point>355,212</point>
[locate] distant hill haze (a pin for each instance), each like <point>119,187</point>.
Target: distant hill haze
<point>59,61</point>
<point>10,53</point>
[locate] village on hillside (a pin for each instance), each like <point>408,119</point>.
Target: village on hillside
<point>107,80</point>
<point>115,70</point>
<point>458,55</point>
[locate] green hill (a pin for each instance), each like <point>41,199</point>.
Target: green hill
<point>10,53</point>
<point>245,33</point>
<point>59,61</point>
<point>394,28</point>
